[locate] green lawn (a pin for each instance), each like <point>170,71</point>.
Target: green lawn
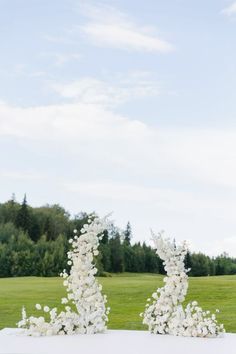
<point>126,293</point>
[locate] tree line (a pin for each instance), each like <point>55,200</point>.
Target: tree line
<point>34,242</point>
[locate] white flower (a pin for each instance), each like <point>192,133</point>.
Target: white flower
<point>38,306</point>
<point>64,300</point>
<point>166,314</point>
<point>83,291</point>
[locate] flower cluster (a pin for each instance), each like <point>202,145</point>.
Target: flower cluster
<point>166,315</point>
<point>85,310</point>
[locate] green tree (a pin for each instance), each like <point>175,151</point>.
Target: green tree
<point>7,230</point>
<point>9,210</point>
<point>117,257</point>
<point>23,216</point>
<point>22,257</point>
<point>188,261</point>
<point>129,257</point>
<point>200,265</point>
<point>127,234</point>
<point>105,252</point>
<point>5,260</point>
<point>151,259</point>
<point>139,258</point>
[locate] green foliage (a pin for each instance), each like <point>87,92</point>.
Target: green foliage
<point>200,264</point>
<point>7,230</point>
<point>34,241</point>
<point>224,265</point>
<point>117,255</point>
<point>23,216</point>
<point>127,234</point>
<point>9,211</point>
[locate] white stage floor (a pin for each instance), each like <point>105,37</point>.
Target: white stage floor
<point>114,342</point>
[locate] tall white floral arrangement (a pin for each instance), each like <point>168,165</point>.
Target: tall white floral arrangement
<point>165,314</point>
<point>85,311</point>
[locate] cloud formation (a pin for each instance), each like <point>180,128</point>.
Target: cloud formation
<point>113,92</point>
<point>109,27</point>
<point>204,155</point>
<point>139,171</point>
<point>230,10</point>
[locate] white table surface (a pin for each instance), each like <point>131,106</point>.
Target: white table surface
<point>115,342</point>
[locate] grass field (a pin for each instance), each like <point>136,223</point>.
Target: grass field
<point>127,294</point>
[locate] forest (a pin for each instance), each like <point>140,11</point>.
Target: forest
<point>34,242</point>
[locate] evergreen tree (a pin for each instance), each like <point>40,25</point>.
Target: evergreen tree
<point>23,216</point>
<point>129,258</point>
<point>127,234</point>
<point>34,228</point>
<point>200,265</point>
<point>105,252</point>
<point>34,241</point>
<point>188,261</point>
<point>117,259</point>
<point>151,259</point>
<point>139,258</point>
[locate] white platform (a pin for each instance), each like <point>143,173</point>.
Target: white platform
<point>114,342</point>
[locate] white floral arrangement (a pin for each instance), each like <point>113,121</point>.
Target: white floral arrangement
<point>165,314</point>
<point>85,311</point>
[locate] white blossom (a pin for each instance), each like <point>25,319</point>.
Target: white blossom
<point>166,314</point>
<point>83,291</point>
<point>64,300</point>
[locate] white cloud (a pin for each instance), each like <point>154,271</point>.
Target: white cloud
<point>67,122</point>
<point>121,89</point>
<point>180,180</point>
<point>230,10</point>
<point>107,26</point>
<point>208,156</point>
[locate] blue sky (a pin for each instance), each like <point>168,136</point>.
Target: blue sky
<point>123,106</point>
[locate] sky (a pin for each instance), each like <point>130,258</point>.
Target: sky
<point>123,106</point>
